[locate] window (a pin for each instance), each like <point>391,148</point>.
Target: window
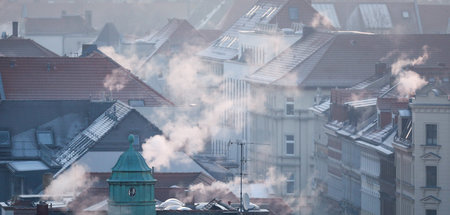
<point>431,133</point>
<point>290,144</point>
<point>289,106</point>
<point>136,102</point>
<point>290,184</point>
<point>431,174</point>
<point>405,14</point>
<point>4,138</point>
<point>136,139</point>
<point>430,212</point>
<point>45,137</point>
<point>293,13</point>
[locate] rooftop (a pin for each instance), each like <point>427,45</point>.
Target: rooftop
<point>64,78</point>
<point>19,47</point>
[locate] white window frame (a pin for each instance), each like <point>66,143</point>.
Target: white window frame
<point>290,181</point>
<point>289,102</point>
<point>286,142</point>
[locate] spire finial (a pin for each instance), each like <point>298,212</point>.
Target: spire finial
<point>131,139</point>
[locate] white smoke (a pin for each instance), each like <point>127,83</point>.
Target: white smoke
<point>408,80</point>
<point>116,81</point>
<point>71,182</point>
<point>321,21</point>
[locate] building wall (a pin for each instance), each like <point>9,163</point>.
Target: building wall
<point>431,109</point>
<point>72,44</point>
<point>268,130</point>
<point>53,43</point>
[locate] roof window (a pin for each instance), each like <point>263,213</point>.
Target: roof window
<point>405,14</point>
<point>45,137</point>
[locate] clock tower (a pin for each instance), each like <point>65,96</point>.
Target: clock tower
<point>131,186</point>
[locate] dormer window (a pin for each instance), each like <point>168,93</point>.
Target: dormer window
<point>4,138</point>
<point>136,102</point>
<point>45,138</point>
<point>293,14</point>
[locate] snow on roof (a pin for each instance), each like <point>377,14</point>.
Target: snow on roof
<point>321,107</point>
<point>362,103</point>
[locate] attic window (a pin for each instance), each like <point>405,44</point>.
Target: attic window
<point>4,138</point>
<point>293,13</point>
<point>405,14</point>
<point>12,64</point>
<point>44,137</point>
<point>136,102</point>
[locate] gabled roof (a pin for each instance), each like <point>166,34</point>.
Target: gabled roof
<point>58,26</point>
<point>63,78</point>
<point>18,47</point>
<point>108,36</point>
<point>262,13</point>
<point>178,30</point>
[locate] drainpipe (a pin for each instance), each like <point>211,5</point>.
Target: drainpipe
<point>419,20</point>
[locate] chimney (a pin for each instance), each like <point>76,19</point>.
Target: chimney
<point>42,208</point>
<point>47,178</point>
<point>63,13</point>
<point>88,17</point>
<point>15,28</point>
<point>380,69</point>
<point>87,49</point>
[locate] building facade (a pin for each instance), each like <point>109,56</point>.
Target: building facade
<point>421,150</point>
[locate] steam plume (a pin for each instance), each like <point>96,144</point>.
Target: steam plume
<point>71,182</point>
<point>408,80</point>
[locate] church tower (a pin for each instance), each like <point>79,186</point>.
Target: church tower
<point>131,186</point>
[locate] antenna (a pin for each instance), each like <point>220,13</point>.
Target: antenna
<point>241,144</point>
<point>246,202</point>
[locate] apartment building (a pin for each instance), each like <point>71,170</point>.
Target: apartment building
<point>422,186</point>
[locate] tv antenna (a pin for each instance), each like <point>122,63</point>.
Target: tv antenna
<point>241,203</point>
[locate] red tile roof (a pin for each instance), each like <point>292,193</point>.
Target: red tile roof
<point>18,47</point>
<point>63,78</point>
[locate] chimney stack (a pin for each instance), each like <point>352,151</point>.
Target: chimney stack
<point>15,28</point>
<point>42,208</point>
<point>380,69</point>
<point>88,17</point>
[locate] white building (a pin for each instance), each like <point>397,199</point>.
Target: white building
<point>423,186</point>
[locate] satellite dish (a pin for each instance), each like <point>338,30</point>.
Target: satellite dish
<point>246,201</point>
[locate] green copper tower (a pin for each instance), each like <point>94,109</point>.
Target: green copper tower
<point>131,186</point>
